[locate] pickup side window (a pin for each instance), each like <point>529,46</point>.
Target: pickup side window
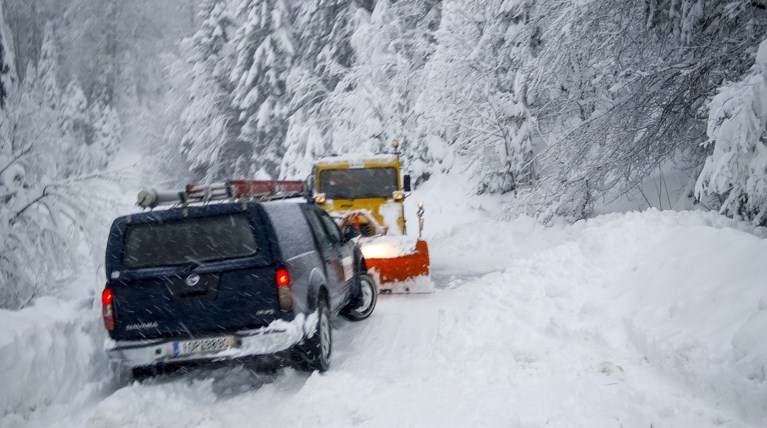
<point>319,232</point>
<point>331,227</point>
<point>292,228</point>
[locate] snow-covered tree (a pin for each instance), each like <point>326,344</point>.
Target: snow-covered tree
<point>735,174</point>
<point>323,30</point>
<point>106,134</point>
<point>47,154</point>
<point>208,120</point>
<point>31,149</point>
<point>90,132</point>
<point>477,88</point>
<point>75,111</point>
<point>76,125</point>
<point>560,101</point>
<point>304,144</point>
<point>618,87</point>
<point>376,99</point>
<point>7,63</point>
<point>47,69</point>
<point>265,48</point>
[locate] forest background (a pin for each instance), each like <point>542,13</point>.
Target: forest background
<point>567,108</point>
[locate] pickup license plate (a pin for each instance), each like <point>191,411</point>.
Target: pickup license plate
<point>203,346</point>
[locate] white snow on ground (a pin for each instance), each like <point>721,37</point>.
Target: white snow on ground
<point>634,320</point>
<point>50,353</point>
<point>51,356</point>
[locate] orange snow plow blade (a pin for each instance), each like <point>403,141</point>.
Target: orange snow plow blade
<point>403,274</point>
<point>402,268</point>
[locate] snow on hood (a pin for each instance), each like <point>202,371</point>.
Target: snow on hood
<point>390,212</point>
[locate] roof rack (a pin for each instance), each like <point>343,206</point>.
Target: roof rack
<point>258,190</point>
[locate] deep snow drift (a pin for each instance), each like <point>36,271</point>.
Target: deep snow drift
<point>639,319</point>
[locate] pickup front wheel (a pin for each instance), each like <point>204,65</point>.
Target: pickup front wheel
<point>365,302</point>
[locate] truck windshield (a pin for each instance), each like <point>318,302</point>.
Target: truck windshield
<point>194,240</point>
<point>358,183</point>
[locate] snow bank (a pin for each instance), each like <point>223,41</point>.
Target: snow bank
<point>679,296</point>
<point>655,304</point>
<point>50,355</point>
<point>667,308</point>
<point>464,232</point>
<point>695,307</point>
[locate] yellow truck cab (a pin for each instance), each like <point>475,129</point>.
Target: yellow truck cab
<point>368,183</point>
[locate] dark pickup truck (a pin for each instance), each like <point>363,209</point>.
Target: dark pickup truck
<point>229,280</point>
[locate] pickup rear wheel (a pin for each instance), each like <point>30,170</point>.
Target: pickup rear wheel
<point>143,373</point>
<point>314,352</point>
<point>365,302</point>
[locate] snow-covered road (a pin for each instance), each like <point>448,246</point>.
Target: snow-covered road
<point>627,320</point>
<point>523,347</point>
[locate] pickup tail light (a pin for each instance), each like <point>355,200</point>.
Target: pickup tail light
<point>284,290</point>
<point>107,310</point>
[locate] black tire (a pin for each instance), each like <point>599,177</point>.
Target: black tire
<point>142,373</point>
<point>313,354</point>
<point>363,304</point>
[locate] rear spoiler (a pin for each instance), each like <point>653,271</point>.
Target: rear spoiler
<point>234,190</point>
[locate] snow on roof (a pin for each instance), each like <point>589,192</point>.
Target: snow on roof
<point>357,158</point>
<point>290,200</point>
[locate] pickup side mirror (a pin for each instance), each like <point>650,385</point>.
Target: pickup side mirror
<point>406,182</point>
<point>350,232</point>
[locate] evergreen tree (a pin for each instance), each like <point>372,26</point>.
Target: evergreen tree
<point>265,49</point>
<point>76,126</point>
<point>618,88</point>
<point>325,56</point>
<point>47,69</point>
<point>208,119</point>
<point>49,145</point>
<point>376,100</point>
<point>7,63</point>
<point>31,160</point>
<point>477,88</point>
<point>323,33</point>
<point>735,174</point>
<point>564,102</point>
<point>106,133</point>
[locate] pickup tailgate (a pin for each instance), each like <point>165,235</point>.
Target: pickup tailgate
<point>192,276</point>
<point>219,301</point>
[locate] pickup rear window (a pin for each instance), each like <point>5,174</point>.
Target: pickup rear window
<point>193,240</point>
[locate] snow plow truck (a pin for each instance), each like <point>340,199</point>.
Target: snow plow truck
<point>367,193</point>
